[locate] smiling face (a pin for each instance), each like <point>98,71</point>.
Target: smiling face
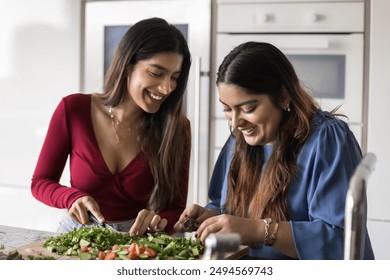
<point>254,115</point>
<point>152,80</point>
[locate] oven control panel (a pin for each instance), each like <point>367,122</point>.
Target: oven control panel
<point>338,17</point>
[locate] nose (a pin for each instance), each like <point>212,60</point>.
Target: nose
<point>165,86</point>
<point>235,120</point>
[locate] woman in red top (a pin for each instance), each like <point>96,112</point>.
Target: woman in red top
<point>128,147</point>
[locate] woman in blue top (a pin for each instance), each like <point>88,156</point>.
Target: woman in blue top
<point>282,177</point>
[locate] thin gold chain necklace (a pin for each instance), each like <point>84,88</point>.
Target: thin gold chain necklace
<point>118,124</point>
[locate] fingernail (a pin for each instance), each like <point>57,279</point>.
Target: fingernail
<point>196,235</point>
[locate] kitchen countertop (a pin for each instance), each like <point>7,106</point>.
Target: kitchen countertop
<point>12,237</point>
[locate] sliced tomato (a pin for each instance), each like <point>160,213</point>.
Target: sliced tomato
<point>132,246</point>
<point>115,247</point>
<point>141,249</point>
<point>137,250</point>
<point>101,255</point>
<point>84,248</point>
<point>133,255</point>
<point>151,253</point>
<point>110,256</point>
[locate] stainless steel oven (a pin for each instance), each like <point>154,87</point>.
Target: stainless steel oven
<point>323,40</point>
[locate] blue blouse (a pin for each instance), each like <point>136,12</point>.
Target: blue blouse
<point>316,197</point>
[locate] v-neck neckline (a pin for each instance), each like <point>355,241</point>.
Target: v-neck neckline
<point>97,147</point>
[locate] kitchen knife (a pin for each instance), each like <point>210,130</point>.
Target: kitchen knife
<point>189,224</point>
<point>93,219</point>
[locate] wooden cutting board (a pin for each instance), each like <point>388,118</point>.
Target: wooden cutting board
<point>36,249</point>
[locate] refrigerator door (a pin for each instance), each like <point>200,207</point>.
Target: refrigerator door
<point>106,22</point>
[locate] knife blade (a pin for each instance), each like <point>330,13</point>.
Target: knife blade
<point>94,220</point>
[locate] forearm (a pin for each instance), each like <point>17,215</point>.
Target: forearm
<point>54,194</point>
<point>284,241</point>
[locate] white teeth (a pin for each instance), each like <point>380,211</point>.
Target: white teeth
<point>247,130</point>
<point>155,97</point>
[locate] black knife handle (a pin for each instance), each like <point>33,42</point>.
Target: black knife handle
<point>92,218</point>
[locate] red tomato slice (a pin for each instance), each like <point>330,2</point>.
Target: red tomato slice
<point>101,255</point>
<point>110,256</point>
<point>141,249</point>
<point>132,246</point>
<point>151,253</point>
<point>84,248</point>
<point>133,255</point>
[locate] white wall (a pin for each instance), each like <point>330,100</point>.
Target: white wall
<point>379,129</point>
<point>39,63</point>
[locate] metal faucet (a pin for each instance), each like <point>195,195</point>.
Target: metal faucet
<point>221,243</point>
<point>355,220</point>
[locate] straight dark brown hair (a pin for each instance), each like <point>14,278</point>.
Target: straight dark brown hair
<point>164,137</point>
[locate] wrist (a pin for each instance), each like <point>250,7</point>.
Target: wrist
<point>270,231</point>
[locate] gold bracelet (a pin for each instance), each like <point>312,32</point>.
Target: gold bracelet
<point>267,222</point>
<point>273,237</point>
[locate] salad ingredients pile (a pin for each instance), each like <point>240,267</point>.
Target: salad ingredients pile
<point>101,243</point>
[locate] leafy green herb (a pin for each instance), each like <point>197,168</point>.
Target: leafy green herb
<point>97,239</point>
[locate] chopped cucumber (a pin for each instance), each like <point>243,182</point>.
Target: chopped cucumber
<point>84,242</point>
<point>143,257</point>
<point>85,256</point>
<point>123,257</point>
<point>123,252</point>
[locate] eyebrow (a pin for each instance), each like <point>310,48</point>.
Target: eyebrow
<point>250,101</point>
<point>162,68</point>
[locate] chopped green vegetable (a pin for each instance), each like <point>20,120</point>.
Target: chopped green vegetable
<point>39,258</point>
<point>98,242</point>
<point>84,242</point>
<point>85,256</point>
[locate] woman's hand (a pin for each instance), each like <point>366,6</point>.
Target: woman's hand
<point>251,231</point>
<point>195,212</point>
<point>147,220</point>
<point>79,208</point>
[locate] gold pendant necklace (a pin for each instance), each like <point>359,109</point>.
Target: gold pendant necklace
<point>116,124</point>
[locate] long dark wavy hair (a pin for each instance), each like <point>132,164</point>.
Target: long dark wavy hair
<point>255,190</point>
<point>160,135</point>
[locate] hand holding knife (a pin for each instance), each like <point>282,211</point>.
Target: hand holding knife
<point>94,220</point>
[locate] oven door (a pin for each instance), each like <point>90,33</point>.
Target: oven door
<point>329,66</point>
